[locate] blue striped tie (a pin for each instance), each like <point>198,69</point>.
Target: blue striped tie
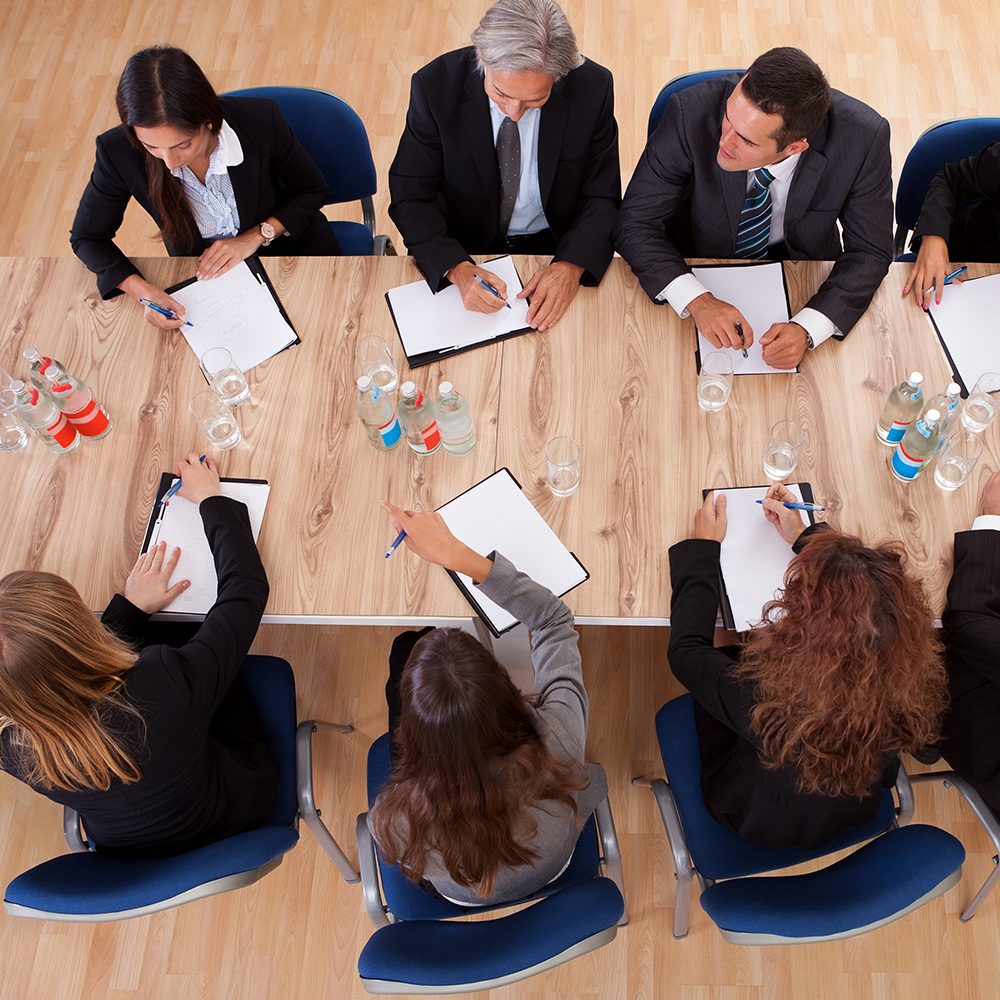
<point>755,218</point>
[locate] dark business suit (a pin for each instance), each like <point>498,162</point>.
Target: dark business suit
<point>971,620</point>
<point>962,205</point>
<point>277,177</point>
<point>444,183</point>
<point>680,202</point>
<point>761,805</point>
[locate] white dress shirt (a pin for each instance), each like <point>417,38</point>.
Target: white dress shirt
<point>686,287</point>
<point>987,521</point>
<point>529,215</point>
<point>213,203</point>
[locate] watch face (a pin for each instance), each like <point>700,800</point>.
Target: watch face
<point>267,231</point>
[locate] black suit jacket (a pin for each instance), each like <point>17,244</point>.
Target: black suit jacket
<point>444,183</point>
<point>971,621</point>
<point>761,805</point>
<point>680,202</point>
<point>277,177</point>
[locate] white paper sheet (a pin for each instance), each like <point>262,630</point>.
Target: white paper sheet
<point>967,320</point>
<point>495,514</point>
<point>758,291</point>
<point>429,322</point>
<point>754,556</point>
<point>181,526</point>
<point>236,311</point>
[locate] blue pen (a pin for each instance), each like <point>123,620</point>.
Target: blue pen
<point>951,277</point>
<point>169,313</point>
<point>395,545</point>
<point>173,489</point>
<point>489,288</point>
<point>799,506</point>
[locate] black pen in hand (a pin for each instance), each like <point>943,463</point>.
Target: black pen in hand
<point>739,330</point>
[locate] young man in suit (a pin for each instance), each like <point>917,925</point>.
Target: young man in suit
<point>763,166</point>
<point>510,146</point>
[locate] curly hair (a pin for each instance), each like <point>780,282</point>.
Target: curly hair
<point>849,668</point>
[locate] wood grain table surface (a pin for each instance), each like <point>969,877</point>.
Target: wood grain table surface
<point>617,373</point>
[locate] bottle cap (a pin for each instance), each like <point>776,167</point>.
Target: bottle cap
<point>932,416</point>
<point>364,382</point>
<point>31,353</point>
<point>53,372</point>
<point>915,379</point>
<point>17,385</point>
<point>954,389</point>
<point>408,389</point>
<point>445,389</point>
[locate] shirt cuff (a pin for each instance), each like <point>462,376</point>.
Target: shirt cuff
<point>681,292</point>
<point>987,521</point>
<point>816,324</point>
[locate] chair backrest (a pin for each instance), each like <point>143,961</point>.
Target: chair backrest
<point>679,83</point>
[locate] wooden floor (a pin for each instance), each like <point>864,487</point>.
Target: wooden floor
<point>298,932</point>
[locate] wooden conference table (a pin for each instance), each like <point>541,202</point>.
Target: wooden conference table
<point>617,373</point>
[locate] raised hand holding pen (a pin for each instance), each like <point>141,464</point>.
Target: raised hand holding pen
<point>788,523</point>
<point>929,272</point>
<point>475,297</point>
<point>717,322</point>
<point>138,288</point>
<point>199,480</point>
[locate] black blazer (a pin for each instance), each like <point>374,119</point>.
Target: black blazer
<point>971,620</point>
<point>194,789</point>
<point>277,177</point>
<point>445,187</point>
<point>681,203</point>
<point>762,806</point>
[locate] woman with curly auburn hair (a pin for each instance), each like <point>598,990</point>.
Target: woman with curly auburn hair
<point>800,728</point>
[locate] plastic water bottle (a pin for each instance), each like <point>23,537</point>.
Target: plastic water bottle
<point>38,365</point>
<point>416,414</point>
<point>74,397</point>
<point>919,442</point>
<point>41,415</point>
<point>900,410</point>
<point>377,415</point>
<point>458,433</point>
<point>947,404</point>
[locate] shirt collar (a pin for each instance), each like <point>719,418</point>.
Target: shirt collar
<point>227,153</point>
<point>785,168</point>
<point>499,115</point>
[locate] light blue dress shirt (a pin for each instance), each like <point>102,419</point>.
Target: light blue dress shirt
<point>213,203</point>
<point>529,215</point>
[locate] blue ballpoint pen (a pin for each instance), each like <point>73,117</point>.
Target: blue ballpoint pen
<point>799,506</point>
<point>169,313</point>
<point>489,288</point>
<point>951,277</point>
<point>173,489</point>
<point>395,545</point>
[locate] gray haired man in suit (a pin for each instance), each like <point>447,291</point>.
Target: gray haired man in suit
<point>763,166</point>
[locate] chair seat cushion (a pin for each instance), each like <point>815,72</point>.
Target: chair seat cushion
<point>355,239</point>
<point>430,953</point>
<point>871,885</point>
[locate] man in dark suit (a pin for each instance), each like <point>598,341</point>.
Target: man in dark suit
<point>971,729</point>
<point>510,146</point>
<point>763,166</point>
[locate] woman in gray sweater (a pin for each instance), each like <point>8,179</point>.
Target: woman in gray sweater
<point>489,788</point>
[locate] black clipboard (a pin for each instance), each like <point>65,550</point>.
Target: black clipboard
<point>788,307</point>
<point>470,595</point>
<point>429,357</point>
<point>728,620</point>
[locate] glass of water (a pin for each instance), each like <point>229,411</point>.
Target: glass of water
<point>981,407</point>
<point>13,436</point>
<point>373,358</point>
<point>715,380</point>
<point>782,453</point>
<point>956,459</point>
<point>217,420</point>
<point>562,455</point>
<point>224,377</point>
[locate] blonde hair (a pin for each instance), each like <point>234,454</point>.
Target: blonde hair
<point>60,674</point>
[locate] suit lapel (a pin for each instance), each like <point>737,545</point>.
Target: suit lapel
<point>245,178</point>
<point>551,129</point>
<point>805,180</point>
<point>479,131</point>
<point>734,193</point>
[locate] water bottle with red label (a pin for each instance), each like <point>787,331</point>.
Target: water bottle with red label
<point>416,414</point>
<point>42,416</point>
<point>76,400</point>
<point>38,365</point>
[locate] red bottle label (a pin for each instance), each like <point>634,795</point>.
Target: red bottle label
<point>90,420</point>
<point>432,436</point>
<point>63,431</point>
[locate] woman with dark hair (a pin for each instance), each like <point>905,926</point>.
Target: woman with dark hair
<point>489,788</point>
<point>222,177</point>
<point>800,728</point>
<point>157,748</point>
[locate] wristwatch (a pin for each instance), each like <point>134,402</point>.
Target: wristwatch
<point>809,337</point>
<point>268,232</point>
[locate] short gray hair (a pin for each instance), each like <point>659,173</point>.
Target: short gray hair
<point>517,36</point>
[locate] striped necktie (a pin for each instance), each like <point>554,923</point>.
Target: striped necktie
<point>755,218</point>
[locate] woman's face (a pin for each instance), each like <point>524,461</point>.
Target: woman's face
<point>174,147</point>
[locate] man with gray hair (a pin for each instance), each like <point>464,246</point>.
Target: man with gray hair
<point>510,146</point>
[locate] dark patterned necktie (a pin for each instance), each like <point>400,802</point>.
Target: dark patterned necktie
<point>755,218</point>
<point>509,164</point>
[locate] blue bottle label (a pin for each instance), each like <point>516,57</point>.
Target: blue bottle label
<point>390,432</point>
<point>896,431</point>
<point>905,466</point>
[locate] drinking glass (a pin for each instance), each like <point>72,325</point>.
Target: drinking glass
<point>373,358</point>
<point>715,380</point>
<point>956,459</point>
<point>217,420</point>
<point>782,453</point>
<point>224,377</point>
<point>562,454</point>
<point>981,407</point>
<point>13,436</point>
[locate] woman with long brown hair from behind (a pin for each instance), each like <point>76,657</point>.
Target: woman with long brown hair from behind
<point>800,728</point>
<point>489,789</point>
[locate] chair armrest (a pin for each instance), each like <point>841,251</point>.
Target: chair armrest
<point>368,862</point>
<point>610,851</point>
<point>73,831</point>
<point>904,792</point>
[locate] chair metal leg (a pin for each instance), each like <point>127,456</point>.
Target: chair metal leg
<point>374,904</point>
<point>307,802</point>
<point>611,852</point>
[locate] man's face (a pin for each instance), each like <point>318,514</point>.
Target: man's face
<point>515,93</point>
<point>745,142</point>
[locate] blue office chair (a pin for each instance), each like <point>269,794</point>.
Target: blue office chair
<point>336,139</point>
<point>679,83</point>
<point>939,145</point>
<point>416,950</point>
<point>87,886</point>
<point>902,868</point>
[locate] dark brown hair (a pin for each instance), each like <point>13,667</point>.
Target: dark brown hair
<point>848,668</point>
<point>165,86</point>
<point>470,762</point>
<point>786,82</point>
